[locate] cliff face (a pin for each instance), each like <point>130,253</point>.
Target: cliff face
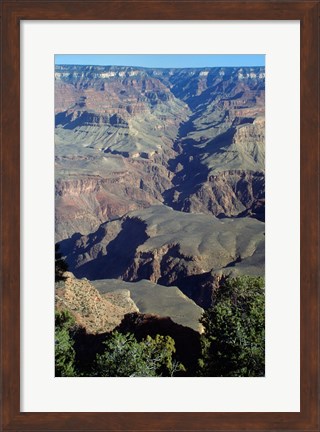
<point>159,197</point>
<point>224,194</point>
<point>190,251</point>
<point>127,138</point>
<point>115,130</point>
<point>222,142</point>
<point>160,177</point>
<point>100,306</point>
<point>85,200</point>
<point>158,300</point>
<point>96,313</point>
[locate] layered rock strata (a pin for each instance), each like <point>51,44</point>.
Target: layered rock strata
<point>127,138</point>
<point>191,251</point>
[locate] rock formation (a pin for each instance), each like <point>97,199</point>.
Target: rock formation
<point>100,306</point>
<point>191,251</point>
<point>160,178</point>
<point>96,313</point>
<point>127,138</point>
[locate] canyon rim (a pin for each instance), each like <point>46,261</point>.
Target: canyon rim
<point>159,219</point>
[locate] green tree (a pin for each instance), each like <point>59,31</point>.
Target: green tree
<point>160,352</point>
<point>124,356</point>
<point>233,343</point>
<point>64,351</point>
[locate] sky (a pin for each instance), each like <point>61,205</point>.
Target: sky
<point>163,60</point>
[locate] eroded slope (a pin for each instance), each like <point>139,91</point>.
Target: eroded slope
<point>127,138</point>
<point>191,251</point>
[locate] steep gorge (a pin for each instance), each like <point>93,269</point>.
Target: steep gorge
<point>160,174</point>
<point>128,138</point>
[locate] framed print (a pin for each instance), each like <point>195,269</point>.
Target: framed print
<point>144,140</point>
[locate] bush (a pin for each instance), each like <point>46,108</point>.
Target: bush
<point>126,357</point>
<point>64,351</point>
<point>233,343</point>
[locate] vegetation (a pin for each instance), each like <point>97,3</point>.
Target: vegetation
<point>64,350</point>
<point>233,343</point>
<point>124,356</point>
<point>234,339</point>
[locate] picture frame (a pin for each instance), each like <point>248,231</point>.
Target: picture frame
<point>13,12</point>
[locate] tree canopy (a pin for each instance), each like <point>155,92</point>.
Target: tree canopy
<point>233,343</point>
<point>124,356</point>
<point>64,351</point>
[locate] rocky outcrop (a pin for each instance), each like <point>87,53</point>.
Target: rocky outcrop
<point>96,313</point>
<point>155,299</point>
<point>169,248</point>
<point>226,194</point>
<point>90,191</point>
<point>229,169</point>
<point>100,306</point>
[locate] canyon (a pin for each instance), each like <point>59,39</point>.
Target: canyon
<point>159,183</point>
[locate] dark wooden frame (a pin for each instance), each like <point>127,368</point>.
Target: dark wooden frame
<point>307,12</point>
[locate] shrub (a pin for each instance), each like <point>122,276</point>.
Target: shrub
<point>233,343</point>
<point>124,356</point>
<point>64,351</point>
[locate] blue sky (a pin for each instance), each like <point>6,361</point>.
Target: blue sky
<point>163,60</point>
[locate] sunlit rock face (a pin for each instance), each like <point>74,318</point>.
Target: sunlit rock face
<point>129,138</point>
<point>170,248</point>
<point>160,177</point>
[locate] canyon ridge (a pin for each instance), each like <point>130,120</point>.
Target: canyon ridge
<point>159,188</point>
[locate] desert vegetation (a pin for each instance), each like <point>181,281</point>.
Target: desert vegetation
<point>232,343</point>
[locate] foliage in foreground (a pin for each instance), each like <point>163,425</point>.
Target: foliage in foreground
<point>124,356</point>
<point>64,351</point>
<point>233,343</point>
